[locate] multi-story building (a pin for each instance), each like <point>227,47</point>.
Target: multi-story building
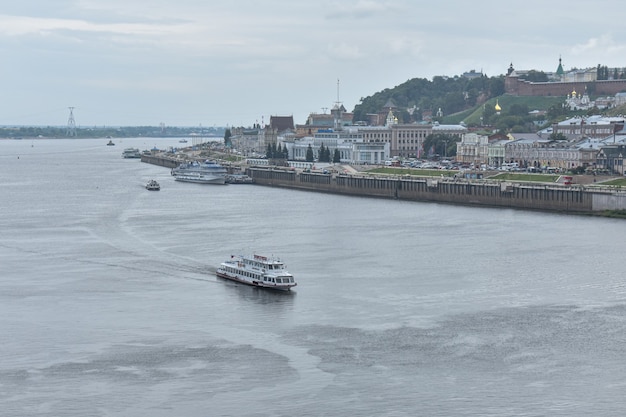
<point>473,149</point>
<point>596,126</point>
<point>611,157</point>
<point>353,149</point>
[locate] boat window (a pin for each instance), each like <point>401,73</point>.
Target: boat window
<point>278,280</point>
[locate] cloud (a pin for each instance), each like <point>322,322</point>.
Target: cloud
<point>406,46</point>
<point>343,50</point>
<point>604,43</point>
<point>360,9</point>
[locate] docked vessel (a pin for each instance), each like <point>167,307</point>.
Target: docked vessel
<point>199,178</point>
<point>131,153</point>
<point>258,271</point>
<point>152,185</point>
<point>238,179</point>
<point>207,172</point>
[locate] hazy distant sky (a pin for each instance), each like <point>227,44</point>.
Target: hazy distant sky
<point>237,62</point>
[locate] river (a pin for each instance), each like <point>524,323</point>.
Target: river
<point>109,305</point>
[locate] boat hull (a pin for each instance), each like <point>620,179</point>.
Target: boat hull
<point>200,179</point>
<point>200,173</point>
<point>254,283</point>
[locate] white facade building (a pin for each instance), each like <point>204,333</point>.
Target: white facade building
<point>473,149</point>
<point>353,149</point>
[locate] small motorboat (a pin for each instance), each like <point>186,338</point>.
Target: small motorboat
<point>152,185</point>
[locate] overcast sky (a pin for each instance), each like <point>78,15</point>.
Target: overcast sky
<point>238,62</point>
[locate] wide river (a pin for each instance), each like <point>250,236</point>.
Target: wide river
<point>109,305</point>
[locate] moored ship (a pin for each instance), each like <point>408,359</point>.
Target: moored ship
<point>207,172</point>
<point>131,153</point>
<point>258,271</point>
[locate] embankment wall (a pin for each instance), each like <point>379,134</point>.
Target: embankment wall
<point>560,198</point>
<point>160,160</point>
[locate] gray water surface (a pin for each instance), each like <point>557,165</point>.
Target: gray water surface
<point>109,305</point>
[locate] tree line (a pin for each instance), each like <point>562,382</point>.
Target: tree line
<point>450,94</point>
<point>323,154</point>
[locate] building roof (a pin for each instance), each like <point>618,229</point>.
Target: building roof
<point>281,123</point>
<point>595,119</point>
<point>559,70</point>
<point>458,128</point>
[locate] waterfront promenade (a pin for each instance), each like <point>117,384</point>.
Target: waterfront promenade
<point>582,197</point>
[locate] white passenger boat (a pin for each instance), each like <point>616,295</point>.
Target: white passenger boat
<point>131,153</point>
<point>258,271</point>
<point>208,172</point>
<point>199,178</point>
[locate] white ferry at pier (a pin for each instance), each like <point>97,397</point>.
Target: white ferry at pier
<point>258,271</point>
<point>207,172</point>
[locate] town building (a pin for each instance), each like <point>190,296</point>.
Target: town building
<point>596,126</point>
<point>611,158</point>
<point>473,149</point>
<point>348,141</point>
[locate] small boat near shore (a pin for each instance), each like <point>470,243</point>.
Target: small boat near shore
<point>238,179</point>
<point>258,271</point>
<point>110,143</point>
<point>152,185</point>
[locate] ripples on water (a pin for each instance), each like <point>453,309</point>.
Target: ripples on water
<point>109,304</point>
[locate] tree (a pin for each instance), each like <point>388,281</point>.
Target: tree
<point>324,154</point>
<point>440,142</point>
<point>336,156</point>
<point>285,152</point>
<point>227,141</point>
<point>321,154</point>
<point>309,154</point>
<point>536,76</point>
<point>557,136</point>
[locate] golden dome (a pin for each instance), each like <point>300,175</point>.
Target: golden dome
<point>497,107</point>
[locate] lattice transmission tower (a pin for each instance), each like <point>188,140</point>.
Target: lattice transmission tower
<point>71,123</point>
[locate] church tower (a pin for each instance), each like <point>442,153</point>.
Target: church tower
<point>559,70</point>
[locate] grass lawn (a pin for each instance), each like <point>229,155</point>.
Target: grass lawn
<point>507,176</point>
<point>621,182</point>
<point>415,172</point>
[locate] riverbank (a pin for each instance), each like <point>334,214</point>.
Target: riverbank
<point>574,199</point>
<point>579,195</point>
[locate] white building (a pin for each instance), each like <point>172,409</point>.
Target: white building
<point>353,149</point>
<point>473,149</point>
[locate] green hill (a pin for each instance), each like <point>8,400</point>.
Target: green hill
<point>473,115</point>
<point>617,111</point>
